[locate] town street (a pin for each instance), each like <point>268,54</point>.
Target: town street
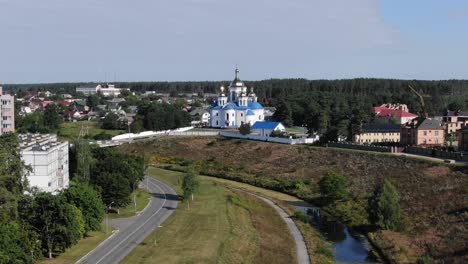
<point>163,203</point>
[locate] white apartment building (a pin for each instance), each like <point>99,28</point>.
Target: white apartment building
<point>7,112</point>
<point>104,89</point>
<point>48,161</point>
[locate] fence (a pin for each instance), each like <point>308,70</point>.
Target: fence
<point>360,147</point>
<point>436,153</point>
<point>290,141</point>
<point>194,133</point>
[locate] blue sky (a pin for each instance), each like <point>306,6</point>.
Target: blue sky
<point>158,40</point>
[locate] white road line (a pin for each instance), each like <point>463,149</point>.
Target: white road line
<point>107,239</point>
<point>144,223</point>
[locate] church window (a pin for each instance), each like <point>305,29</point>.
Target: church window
<point>242,114</point>
<point>227,116</point>
<point>232,114</point>
<point>216,122</point>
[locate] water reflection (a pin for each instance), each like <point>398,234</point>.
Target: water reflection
<point>347,246</point>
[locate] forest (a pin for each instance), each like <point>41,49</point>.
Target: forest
<point>332,108</point>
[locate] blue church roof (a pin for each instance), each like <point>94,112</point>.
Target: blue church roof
<point>254,105</point>
<point>265,125</point>
<point>250,112</point>
<point>229,106</point>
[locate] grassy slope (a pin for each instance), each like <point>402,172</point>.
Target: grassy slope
<point>71,130</point>
<point>77,251</point>
<point>433,196</point>
<point>222,226</point>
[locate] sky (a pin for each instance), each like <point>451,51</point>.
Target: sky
<point>181,40</point>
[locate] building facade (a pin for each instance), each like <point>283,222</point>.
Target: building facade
<point>393,114</point>
<point>48,160</point>
<point>104,89</point>
<point>429,133</point>
<point>265,129</point>
<point>454,121</point>
<point>7,112</point>
<point>236,107</point>
<point>378,133</point>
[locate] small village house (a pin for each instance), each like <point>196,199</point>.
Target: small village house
<point>265,129</point>
<point>428,133</point>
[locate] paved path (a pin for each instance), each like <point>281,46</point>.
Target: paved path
<point>134,230</point>
<point>301,248</point>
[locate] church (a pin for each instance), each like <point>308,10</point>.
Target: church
<point>235,107</point>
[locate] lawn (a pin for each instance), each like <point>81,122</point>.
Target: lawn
<point>71,130</point>
<point>77,251</point>
<point>317,247</point>
<point>142,199</point>
<point>221,226</point>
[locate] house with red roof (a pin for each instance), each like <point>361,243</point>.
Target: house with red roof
<point>393,113</point>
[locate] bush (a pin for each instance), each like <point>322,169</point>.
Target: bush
<point>245,129</point>
<point>300,215</point>
<point>333,187</point>
<point>102,136</point>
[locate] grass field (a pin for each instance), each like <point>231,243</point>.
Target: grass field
<point>142,198</point>
<point>221,226</point>
<point>318,247</point>
<point>71,130</point>
<point>77,251</point>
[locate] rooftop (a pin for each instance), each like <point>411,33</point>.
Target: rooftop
<point>265,125</point>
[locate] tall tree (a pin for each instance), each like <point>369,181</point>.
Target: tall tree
<point>384,207</point>
<point>52,117</point>
<point>84,160</point>
<point>283,113</point>
<point>88,200</point>
<point>189,185</point>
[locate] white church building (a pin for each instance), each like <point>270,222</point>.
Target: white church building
<point>236,107</point>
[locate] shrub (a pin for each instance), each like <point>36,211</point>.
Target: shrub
<point>245,129</point>
<point>300,215</point>
<point>333,187</point>
<point>384,207</point>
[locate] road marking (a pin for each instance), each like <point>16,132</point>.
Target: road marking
<point>144,223</point>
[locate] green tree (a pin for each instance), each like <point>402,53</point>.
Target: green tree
<point>12,248</point>
<point>384,207</point>
<point>52,117</point>
<point>56,222</point>
<point>11,180</point>
<point>334,187</point>
<point>245,128</point>
<point>84,160</point>
<point>111,121</point>
<point>114,188</point>
<point>283,113</point>
<point>88,200</point>
<point>189,185</point>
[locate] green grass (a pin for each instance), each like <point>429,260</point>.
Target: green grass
<point>221,226</point>
<point>296,130</point>
<point>77,251</point>
<point>142,198</point>
<point>71,130</point>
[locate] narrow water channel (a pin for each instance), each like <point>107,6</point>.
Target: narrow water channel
<point>347,246</point>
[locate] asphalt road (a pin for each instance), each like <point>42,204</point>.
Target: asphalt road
<point>163,203</point>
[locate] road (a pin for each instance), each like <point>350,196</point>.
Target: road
<point>164,201</point>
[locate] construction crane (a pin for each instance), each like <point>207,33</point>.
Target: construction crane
<point>421,100</point>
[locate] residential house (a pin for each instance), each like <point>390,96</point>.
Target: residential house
<point>454,120</point>
<point>428,133</point>
<point>378,133</point>
<point>393,114</point>
<point>265,129</point>
<point>113,104</point>
<point>7,112</point>
<point>200,117</point>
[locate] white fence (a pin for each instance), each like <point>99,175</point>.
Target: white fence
<point>194,133</point>
<point>291,141</point>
